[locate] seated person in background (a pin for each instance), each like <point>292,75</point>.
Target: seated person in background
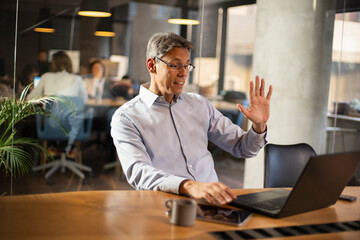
<point>161,135</point>
<point>25,78</point>
<point>122,88</point>
<point>62,81</point>
<point>97,70</point>
<point>42,62</point>
<point>5,91</point>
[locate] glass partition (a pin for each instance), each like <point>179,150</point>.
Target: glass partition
<point>239,50</point>
<point>7,23</point>
<point>229,40</point>
<point>34,32</point>
<point>344,106</point>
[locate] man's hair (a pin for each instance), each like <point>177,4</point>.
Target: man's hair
<point>161,43</point>
<point>61,61</point>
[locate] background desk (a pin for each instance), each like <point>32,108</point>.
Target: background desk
<point>224,105</point>
<point>105,102</point>
<point>137,215</point>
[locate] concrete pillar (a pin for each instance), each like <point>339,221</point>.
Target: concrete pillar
<point>292,52</point>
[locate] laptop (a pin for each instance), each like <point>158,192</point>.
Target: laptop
<point>36,81</point>
<point>319,185</point>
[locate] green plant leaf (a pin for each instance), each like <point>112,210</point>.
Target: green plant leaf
<point>14,152</point>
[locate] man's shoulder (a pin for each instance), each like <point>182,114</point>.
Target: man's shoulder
<point>131,110</point>
<point>130,105</point>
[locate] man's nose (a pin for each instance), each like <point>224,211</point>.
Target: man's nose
<point>183,71</point>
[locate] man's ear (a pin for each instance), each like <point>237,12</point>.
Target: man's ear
<point>151,66</point>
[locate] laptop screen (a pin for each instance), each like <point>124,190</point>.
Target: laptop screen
<point>36,81</point>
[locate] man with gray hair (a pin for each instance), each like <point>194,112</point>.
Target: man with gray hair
<point>161,135</point>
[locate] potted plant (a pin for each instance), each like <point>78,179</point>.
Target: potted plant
<point>15,156</point>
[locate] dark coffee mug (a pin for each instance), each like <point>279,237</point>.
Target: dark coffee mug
<point>182,211</point>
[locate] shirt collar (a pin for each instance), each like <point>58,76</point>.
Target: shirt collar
<point>149,97</point>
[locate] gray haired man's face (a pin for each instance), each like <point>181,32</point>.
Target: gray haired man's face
<point>170,81</point>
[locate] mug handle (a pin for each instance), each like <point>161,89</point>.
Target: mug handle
<point>168,205</point>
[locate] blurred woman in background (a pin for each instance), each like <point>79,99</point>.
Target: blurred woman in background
<point>61,81</point>
<point>97,81</point>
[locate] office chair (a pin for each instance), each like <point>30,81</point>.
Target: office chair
<point>284,163</point>
<point>235,97</point>
<point>77,124</point>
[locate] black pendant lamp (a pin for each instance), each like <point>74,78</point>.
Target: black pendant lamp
<point>181,17</point>
<point>104,28</point>
<point>44,21</point>
<point>94,8</point>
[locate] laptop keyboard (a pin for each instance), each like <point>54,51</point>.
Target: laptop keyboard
<point>271,204</point>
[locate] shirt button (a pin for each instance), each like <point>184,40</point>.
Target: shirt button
<point>178,126</point>
<point>190,165</point>
<point>185,146</point>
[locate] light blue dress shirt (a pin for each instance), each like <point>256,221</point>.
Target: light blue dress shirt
<point>160,144</point>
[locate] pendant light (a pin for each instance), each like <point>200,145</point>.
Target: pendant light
<point>94,8</point>
<point>182,18</point>
<point>183,21</point>
<point>44,21</point>
<point>104,28</point>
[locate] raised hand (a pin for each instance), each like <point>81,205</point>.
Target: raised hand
<point>259,110</point>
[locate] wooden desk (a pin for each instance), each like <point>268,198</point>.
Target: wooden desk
<point>105,102</point>
<point>138,215</point>
<point>344,117</point>
<point>343,133</point>
<point>224,105</point>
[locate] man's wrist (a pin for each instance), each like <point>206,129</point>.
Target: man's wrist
<point>184,186</point>
<point>259,128</point>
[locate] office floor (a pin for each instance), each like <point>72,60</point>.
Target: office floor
<point>230,172</point>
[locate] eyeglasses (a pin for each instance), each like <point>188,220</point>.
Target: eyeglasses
<point>178,67</point>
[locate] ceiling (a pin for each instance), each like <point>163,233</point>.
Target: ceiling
<point>59,5</point>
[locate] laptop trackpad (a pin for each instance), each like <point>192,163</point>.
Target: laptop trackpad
<point>263,196</point>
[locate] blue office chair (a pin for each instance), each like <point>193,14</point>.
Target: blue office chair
<point>236,116</point>
<point>78,125</point>
<point>235,97</point>
<point>284,163</point>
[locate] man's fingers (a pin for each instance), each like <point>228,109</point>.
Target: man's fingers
<point>231,193</point>
<point>251,90</point>
<point>227,195</point>
<point>268,96</point>
<point>210,199</point>
<point>257,88</point>
<point>243,109</point>
<point>262,87</point>
<point>218,196</point>
<point>214,193</point>
<point>217,192</point>
<point>223,193</point>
